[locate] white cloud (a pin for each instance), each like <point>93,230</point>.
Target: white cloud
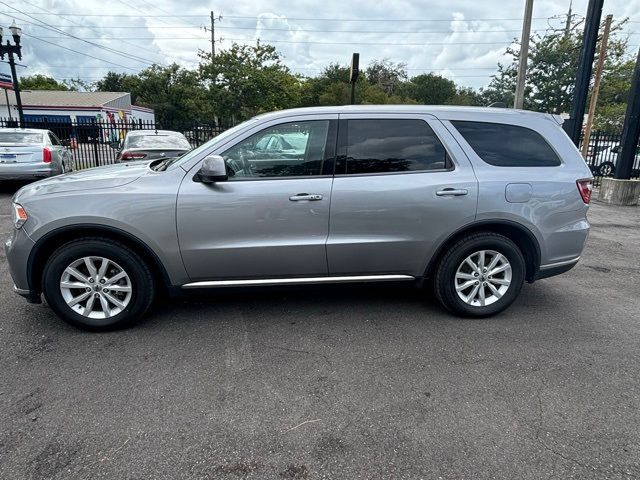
<point>463,39</point>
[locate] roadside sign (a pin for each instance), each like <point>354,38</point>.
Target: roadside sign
<point>6,81</point>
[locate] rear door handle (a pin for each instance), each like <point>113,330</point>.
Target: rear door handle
<point>453,192</point>
<point>311,197</point>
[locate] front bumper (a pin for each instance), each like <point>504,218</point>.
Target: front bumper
<point>18,248</point>
<point>30,295</point>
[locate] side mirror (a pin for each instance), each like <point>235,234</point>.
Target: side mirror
<point>115,144</point>
<point>213,169</point>
<point>66,142</point>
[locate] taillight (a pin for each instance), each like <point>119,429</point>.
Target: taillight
<point>132,156</point>
<point>46,155</point>
<point>585,187</point>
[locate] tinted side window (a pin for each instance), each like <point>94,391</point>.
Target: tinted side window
<point>392,145</point>
<point>505,145</point>
<point>286,150</point>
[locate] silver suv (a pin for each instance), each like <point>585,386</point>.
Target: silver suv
<point>475,200</point>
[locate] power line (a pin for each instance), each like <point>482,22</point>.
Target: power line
<point>204,15</point>
<point>295,30</point>
<point>367,43</point>
<point>387,19</point>
<point>301,68</point>
<point>164,11</point>
<point>112,50</point>
<point>80,53</point>
<point>88,27</point>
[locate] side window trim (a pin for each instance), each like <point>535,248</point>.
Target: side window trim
<point>342,140</point>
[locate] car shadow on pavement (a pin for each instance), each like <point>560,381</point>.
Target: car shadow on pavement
<point>12,186</point>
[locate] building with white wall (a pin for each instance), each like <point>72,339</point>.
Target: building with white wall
<point>72,107</point>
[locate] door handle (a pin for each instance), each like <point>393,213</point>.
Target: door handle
<point>305,196</point>
<point>453,192</point>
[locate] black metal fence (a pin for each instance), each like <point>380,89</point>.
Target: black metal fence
<point>602,155</point>
<point>90,142</point>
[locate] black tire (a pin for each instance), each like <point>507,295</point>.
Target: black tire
<point>142,283</point>
<point>445,284</point>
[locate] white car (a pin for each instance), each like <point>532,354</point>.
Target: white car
<point>30,153</point>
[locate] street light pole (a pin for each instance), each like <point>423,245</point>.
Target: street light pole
<point>12,50</point>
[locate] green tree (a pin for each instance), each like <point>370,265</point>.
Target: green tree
<point>430,89</point>
<point>177,95</point>
<point>78,85</point>
<point>119,82</point>
<point>466,96</point>
<point>248,79</point>
<point>386,75</point>
<point>551,70</point>
<point>41,82</point>
<point>331,87</point>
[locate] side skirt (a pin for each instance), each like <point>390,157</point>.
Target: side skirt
<point>298,281</point>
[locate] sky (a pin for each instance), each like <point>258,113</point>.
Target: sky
<point>461,39</point>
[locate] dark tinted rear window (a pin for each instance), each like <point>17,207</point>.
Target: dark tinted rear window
<point>505,145</point>
<point>382,146</point>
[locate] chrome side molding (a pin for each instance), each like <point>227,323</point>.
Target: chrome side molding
<point>295,281</point>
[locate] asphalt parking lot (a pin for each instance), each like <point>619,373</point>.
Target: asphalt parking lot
<point>349,382</point>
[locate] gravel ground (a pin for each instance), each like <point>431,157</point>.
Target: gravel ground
<point>336,382</point>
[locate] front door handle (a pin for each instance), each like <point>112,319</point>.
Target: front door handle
<point>454,192</point>
<point>305,196</point>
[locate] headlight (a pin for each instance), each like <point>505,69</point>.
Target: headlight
<point>19,215</point>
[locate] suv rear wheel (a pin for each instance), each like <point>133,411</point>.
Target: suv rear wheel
<point>97,284</point>
<point>480,275</point>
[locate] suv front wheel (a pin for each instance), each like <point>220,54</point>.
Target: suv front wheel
<point>480,275</point>
<point>97,284</point>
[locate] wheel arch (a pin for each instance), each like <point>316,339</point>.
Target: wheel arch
<point>51,241</point>
<point>519,234</point>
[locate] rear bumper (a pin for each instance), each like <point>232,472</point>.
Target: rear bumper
<point>16,171</point>
<point>553,269</point>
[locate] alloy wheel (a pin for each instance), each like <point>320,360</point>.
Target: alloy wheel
<point>483,278</point>
<point>96,287</point>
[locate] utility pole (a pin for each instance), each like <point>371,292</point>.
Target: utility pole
<point>212,29</point>
<point>524,55</point>
<point>353,75</point>
<point>213,36</point>
<point>596,86</point>
<point>567,25</point>
<point>573,126</point>
<point>631,129</point>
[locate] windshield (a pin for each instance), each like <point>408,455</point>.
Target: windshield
<point>210,144</point>
<point>21,138</point>
<point>157,141</point>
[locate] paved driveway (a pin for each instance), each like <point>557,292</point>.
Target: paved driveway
<point>336,382</point>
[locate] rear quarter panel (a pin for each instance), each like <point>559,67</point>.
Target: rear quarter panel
<point>554,211</point>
